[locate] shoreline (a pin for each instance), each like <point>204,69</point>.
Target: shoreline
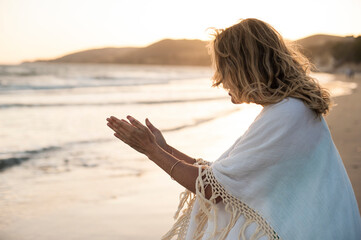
<point>344,122</point>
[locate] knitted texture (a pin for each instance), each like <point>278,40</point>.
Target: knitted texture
<point>208,210</point>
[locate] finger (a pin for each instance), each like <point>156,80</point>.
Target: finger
<point>110,124</point>
<point>135,122</point>
<point>131,135</point>
<point>150,125</point>
<point>115,121</point>
<point>115,128</point>
<point>126,122</point>
<point>122,120</point>
<point>111,120</point>
<point>124,125</point>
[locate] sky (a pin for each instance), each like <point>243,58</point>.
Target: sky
<point>43,29</point>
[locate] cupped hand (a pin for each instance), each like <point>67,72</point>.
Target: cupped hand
<point>135,134</point>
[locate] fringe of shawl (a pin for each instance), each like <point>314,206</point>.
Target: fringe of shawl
<point>181,225</point>
<point>232,205</point>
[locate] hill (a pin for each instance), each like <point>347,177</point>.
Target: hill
<point>170,52</point>
<point>101,55</point>
<point>321,39</point>
<point>331,53</point>
<point>164,52</point>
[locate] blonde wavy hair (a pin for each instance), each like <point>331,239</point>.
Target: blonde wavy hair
<point>256,65</point>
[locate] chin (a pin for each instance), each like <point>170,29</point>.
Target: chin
<point>233,101</point>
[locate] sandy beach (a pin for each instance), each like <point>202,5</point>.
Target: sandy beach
<point>105,203</point>
<point>344,122</point>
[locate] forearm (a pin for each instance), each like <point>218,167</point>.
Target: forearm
<point>179,155</point>
<point>184,173</point>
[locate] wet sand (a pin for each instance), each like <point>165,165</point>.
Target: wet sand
<point>344,122</point>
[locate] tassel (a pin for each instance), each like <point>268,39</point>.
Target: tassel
<point>242,232</point>
<point>183,197</point>
<point>257,234</point>
<point>180,226</point>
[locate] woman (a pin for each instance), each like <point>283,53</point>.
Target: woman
<point>283,178</point>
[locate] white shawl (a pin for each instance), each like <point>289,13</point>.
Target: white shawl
<point>285,174</point>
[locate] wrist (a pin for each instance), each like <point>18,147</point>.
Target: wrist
<point>154,152</point>
<point>169,149</point>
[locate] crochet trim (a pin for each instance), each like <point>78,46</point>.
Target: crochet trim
<point>232,205</point>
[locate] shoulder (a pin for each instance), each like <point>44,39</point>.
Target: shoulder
<point>289,108</point>
<point>288,115</point>
<point>289,104</point>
